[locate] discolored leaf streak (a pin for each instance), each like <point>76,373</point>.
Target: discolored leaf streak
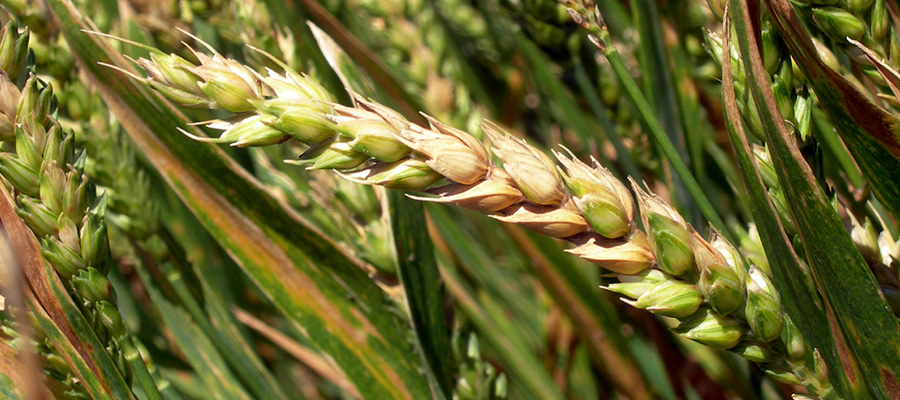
<point>806,309</point>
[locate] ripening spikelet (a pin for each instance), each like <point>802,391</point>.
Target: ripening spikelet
<point>623,256</point>
<point>533,171</point>
<point>719,282</point>
<point>755,351</point>
<point>658,293</point>
<point>763,307</point>
<point>13,48</point>
<point>635,285</point>
<point>406,174</point>
<point>369,133</point>
<point>256,130</point>
<point>555,222</point>
<point>451,152</point>
<point>9,97</point>
<point>231,85</point>
<point>865,239</point>
<point>712,329</point>
<point>888,248</point>
<point>669,235</point>
<point>304,120</point>
<point>603,199</point>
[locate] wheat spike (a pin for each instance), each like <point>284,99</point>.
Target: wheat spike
<point>583,204</point>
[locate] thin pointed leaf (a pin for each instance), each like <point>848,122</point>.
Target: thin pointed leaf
<point>341,63</point>
<point>791,280</point>
<point>356,79</point>
<point>206,347</point>
<point>423,288</point>
<point>325,293</point>
<point>214,316</point>
<point>234,347</point>
<point>369,62</point>
<point>199,351</point>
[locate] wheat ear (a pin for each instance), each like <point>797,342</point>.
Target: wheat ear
<point>669,269</point>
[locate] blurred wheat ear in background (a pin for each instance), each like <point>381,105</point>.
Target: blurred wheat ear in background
<point>449,199</point>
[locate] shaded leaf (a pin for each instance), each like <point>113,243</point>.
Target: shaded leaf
<point>423,288</point>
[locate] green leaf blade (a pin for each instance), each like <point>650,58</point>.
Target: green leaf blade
<point>806,309</point>
<point>422,287</point>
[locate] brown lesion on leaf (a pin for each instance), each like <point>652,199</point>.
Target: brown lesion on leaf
<point>891,383</point>
<point>388,374</point>
<point>848,363</point>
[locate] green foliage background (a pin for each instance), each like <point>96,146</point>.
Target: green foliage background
<point>210,271</point>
